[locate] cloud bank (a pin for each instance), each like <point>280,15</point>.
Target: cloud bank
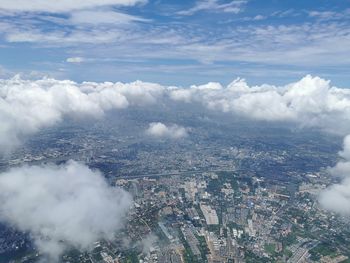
<point>61,206</point>
<point>311,102</point>
<point>28,106</point>
<point>160,130</point>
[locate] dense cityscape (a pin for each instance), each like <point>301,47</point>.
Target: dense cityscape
<point>205,198</point>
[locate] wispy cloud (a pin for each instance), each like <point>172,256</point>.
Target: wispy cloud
<point>317,39</point>
<point>103,17</point>
<point>75,60</point>
<point>235,7</point>
<point>330,15</point>
<point>61,6</point>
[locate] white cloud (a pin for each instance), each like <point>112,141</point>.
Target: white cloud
<point>75,60</point>
<point>57,214</point>
<point>61,6</point>
<point>330,15</point>
<point>309,102</point>
<point>308,44</point>
<point>345,153</point>
<point>160,130</point>
<point>336,198</point>
<point>27,106</point>
<point>60,38</point>
<point>323,15</point>
<point>181,95</point>
<point>103,17</point>
<point>234,7</point>
<point>259,17</point>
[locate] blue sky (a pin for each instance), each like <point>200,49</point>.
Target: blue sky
<point>176,42</point>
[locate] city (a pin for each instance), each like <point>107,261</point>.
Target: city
<point>204,200</point>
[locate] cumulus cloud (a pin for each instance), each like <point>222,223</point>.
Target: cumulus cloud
<point>60,6</point>
<point>160,130</point>
<point>345,153</point>
<point>336,198</point>
<point>27,106</point>
<point>312,101</point>
<point>62,206</point>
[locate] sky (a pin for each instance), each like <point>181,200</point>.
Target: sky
<point>176,42</point>
<point>218,54</point>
